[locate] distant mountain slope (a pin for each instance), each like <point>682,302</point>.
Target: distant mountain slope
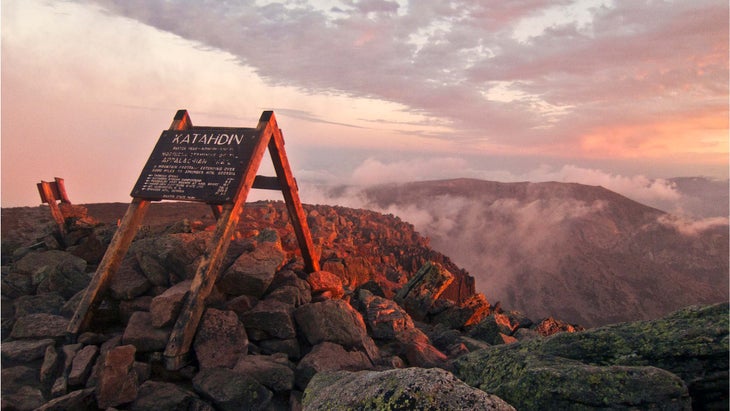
<point>581,253</point>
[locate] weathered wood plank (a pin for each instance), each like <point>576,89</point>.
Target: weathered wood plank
<point>293,203</point>
<point>48,196</point>
<point>108,266</point>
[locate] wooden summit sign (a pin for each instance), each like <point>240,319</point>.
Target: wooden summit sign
<point>215,165</point>
<point>204,164</point>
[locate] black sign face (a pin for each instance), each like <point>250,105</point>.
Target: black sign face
<point>200,164</point>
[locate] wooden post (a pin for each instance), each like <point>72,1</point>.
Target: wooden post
<point>115,252</point>
<point>178,347</point>
<point>48,196</point>
<point>61,188</point>
<point>291,197</point>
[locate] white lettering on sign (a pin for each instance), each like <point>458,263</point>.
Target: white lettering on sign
<point>220,139</point>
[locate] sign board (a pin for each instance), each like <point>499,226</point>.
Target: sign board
<point>202,164</point>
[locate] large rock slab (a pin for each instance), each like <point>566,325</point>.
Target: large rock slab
<point>39,326</point>
<point>409,388</point>
<point>54,271</point>
<point>165,396</point>
<point>166,307</point>
<point>24,350</point>
<point>118,381</point>
<point>685,352</point>
<point>337,322</point>
<point>556,383</point>
<point>274,371</point>
<point>143,335</point>
<point>169,259</point>
<point>220,339</point>
<point>269,319</point>
<point>252,272</point>
<point>230,390</point>
<point>49,303</point>
<point>79,400</point>
<point>423,289</point>
<point>328,356</point>
<point>385,318</point>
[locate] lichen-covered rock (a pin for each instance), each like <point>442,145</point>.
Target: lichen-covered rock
<point>399,389</point>
<point>230,390</point>
<point>683,353</point>
<point>533,381</point>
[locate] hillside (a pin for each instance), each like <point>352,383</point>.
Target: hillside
<point>581,253</point>
<point>388,323</point>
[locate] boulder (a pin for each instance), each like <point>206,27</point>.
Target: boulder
<point>81,400</point>
<point>417,349</point>
<point>118,381</point>
<point>423,289</point>
<point>165,307</point>
<point>385,318</point>
<point>324,283</point>
<point>220,339</point>
<point>143,335</point>
<point>128,283</point>
<point>40,326</point>
<point>83,361</point>
<point>289,288</point>
<point>54,271</point>
<point>48,303</point>
<point>276,372</point>
<point>231,390</point>
<point>269,319</point>
<point>252,272</point>
<point>337,322</point>
<point>328,356</point>
<point>22,351</point>
<point>473,310</point>
<point>50,364</point>
<point>165,396</point>
<point>171,258</point>
<point>409,388</point>
<point>13,378</point>
<point>25,399</point>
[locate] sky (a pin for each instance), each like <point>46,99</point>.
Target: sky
<point>624,94</point>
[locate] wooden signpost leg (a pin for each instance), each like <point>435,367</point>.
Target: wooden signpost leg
<point>293,203</point>
<point>181,337</point>
<point>108,266</point>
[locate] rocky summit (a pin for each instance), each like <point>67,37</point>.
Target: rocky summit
<point>388,323</point>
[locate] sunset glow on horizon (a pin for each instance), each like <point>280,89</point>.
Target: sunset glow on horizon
<point>493,90</point>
